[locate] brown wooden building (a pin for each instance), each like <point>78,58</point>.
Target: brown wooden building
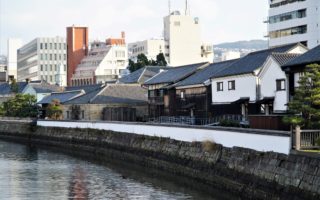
<point>161,89</point>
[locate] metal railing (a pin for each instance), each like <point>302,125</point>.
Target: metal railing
<point>307,139</point>
<point>195,121</point>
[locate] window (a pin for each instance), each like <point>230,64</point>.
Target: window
<point>281,84</point>
<point>182,94</point>
<point>41,46</point>
<point>45,46</point>
<point>41,67</point>
<point>68,114</point>
<point>55,45</point>
<point>151,93</point>
<point>50,45</point>
<point>176,23</point>
<point>82,114</point>
<point>288,32</point>
<point>231,85</point>
<point>219,86</point>
<point>65,67</point>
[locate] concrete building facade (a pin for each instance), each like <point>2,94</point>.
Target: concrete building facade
<point>13,46</point>
<point>41,58</point>
<point>151,48</point>
<point>183,44</point>
<point>77,43</point>
<point>105,62</point>
<point>292,21</point>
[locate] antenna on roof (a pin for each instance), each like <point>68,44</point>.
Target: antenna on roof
<point>169,4</point>
<point>186,7</point>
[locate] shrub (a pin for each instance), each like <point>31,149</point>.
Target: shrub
<point>208,145</point>
<point>229,123</point>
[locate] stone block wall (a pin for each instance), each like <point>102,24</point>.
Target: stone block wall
<point>247,173</point>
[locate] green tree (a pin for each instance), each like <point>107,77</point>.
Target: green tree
<point>22,105</point>
<point>304,109</point>
<point>54,110</point>
<point>142,61</point>
<point>161,60</point>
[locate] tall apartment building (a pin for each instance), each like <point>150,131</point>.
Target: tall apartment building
<point>183,44</point>
<point>292,21</point>
<point>13,45</point>
<point>151,48</point>
<point>105,62</point>
<point>3,68</point>
<point>77,42</point>
<point>41,58</point>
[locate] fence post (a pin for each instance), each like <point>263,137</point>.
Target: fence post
<point>298,138</point>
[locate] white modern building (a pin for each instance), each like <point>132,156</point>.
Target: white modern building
<point>151,48</point>
<point>292,21</point>
<point>41,59</point>
<point>230,55</point>
<point>104,63</point>
<point>13,45</point>
<point>183,44</point>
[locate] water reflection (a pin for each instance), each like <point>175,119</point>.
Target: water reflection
<point>27,172</point>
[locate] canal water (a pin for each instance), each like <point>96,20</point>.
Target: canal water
<point>35,173</point>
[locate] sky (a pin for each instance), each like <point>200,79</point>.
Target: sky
<point>221,20</point>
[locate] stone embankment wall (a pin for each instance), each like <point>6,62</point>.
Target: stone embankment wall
<point>248,173</point>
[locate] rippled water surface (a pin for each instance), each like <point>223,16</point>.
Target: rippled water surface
<point>32,173</point>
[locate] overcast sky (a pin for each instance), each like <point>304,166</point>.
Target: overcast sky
<point>221,20</point>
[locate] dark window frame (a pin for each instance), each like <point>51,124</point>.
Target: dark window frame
<point>279,84</point>
<point>219,86</point>
<point>233,85</point>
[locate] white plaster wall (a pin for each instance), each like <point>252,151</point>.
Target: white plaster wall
<point>259,142</point>
<point>245,87</point>
<point>270,73</point>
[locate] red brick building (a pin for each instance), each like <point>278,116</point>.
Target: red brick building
<point>77,48</point>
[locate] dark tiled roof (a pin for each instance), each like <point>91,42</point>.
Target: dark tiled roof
<point>121,93</point>
<point>132,77</point>
<point>311,56</point>
<point>44,87</point>
<point>141,75</point>
<point>5,88</point>
<point>61,96</point>
<point>283,58</point>
<point>174,74</point>
<point>202,75</point>
<point>86,88</point>
<point>86,98</point>
<point>252,61</point>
